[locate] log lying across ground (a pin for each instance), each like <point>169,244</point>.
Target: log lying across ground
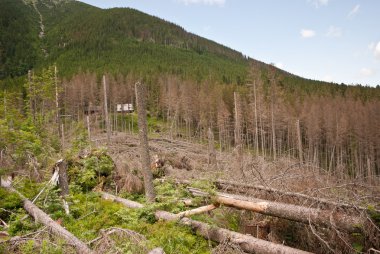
<point>199,210</point>
<point>44,219</point>
<point>255,189</point>
<point>264,192</point>
<point>326,218</point>
<point>247,243</point>
<point>123,201</point>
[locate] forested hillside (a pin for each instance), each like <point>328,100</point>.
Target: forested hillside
<point>19,42</point>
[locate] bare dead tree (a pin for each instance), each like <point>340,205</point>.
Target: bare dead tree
<point>144,147</point>
<point>57,108</point>
<point>63,182</point>
<point>107,120</point>
<point>211,148</point>
<point>299,138</point>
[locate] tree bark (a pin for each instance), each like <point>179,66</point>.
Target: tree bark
<point>57,107</point>
<point>274,146</point>
<point>123,201</point>
<point>237,119</point>
<point>299,139</point>
<point>256,122</point>
<point>144,148</point>
<point>107,120</point>
<point>211,148</point>
<point>261,190</point>
<point>57,229</point>
<point>199,210</point>
<point>63,181</point>
<point>157,251</point>
<point>302,214</point>
<point>246,242</point>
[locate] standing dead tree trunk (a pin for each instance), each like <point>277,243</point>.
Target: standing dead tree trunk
<point>63,182</point>
<point>238,132</point>
<point>57,108</point>
<point>299,139</point>
<point>247,243</point>
<point>256,122</point>
<point>88,128</point>
<point>302,214</point>
<point>211,148</point>
<point>274,146</point>
<point>144,147</point>
<point>107,120</point>
<point>57,229</point>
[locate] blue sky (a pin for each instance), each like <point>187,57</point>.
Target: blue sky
<point>331,40</point>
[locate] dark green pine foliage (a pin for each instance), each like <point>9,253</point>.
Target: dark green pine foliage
<point>79,38</point>
<point>19,42</point>
<point>82,37</point>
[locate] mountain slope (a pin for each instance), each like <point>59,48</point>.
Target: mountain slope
<point>125,40</point>
<point>79,37</point>
<point>19,41</point>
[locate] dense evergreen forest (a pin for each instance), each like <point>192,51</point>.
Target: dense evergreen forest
<point>62,60</point>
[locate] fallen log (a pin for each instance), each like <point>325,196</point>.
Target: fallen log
<point>157,251</point>
<point>264,192</point>
<point>199,210</point>
<point>187,202</point>
<point>123,201</point>
<point>326,218</point>
<point>247,243</point>
<point>43,218</point>
<point>255,189</point>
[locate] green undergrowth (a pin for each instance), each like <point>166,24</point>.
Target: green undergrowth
<point>205,185</point>
<point>221,217</point>
<point>92,169</point>
<point>375,215</point>
<point>8,203</point>
<point>128,122</point>
<point>89,214</point>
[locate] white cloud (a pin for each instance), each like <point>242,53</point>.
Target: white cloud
<point>279,65</point>
<point>376,50</point>
<point>354,11</point>
<point>334,32</point>
<point>307,33</point>
<point>318,3</point>
<point>205,2</point>
<point>366,72</point>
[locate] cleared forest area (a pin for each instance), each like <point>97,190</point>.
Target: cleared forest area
<point>248,185</point>
<point>121,132</point>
